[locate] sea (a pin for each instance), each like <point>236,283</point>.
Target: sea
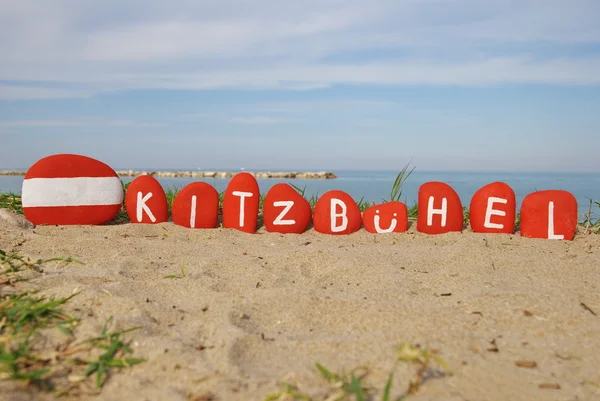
<point>376,185</point>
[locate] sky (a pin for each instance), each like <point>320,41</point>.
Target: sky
<point>494,85</point>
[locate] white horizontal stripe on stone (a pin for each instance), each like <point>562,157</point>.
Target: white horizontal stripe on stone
<point>79,191</point>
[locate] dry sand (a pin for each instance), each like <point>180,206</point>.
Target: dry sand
<point>253,310</point>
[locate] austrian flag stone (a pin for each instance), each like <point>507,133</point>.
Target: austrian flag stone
<point>68,189</point>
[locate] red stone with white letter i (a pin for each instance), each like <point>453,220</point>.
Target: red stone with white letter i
<point>68,189</point>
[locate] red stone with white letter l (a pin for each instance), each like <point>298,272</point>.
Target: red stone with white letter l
<point>146,202</point>
<point>440,209</point>
<point>550,214</point>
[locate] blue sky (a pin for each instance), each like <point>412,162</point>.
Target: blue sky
<point>508,85</point>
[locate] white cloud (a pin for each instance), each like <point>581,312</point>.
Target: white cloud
<point>76,123</point>
<point>14,92</point>
<point>115,45</point>
<point>259,120</point>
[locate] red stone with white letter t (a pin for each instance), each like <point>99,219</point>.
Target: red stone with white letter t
<point>493,209</point>
<point>336,213</point>
<point>550,214</point>
<point>285,211</point>
<point>146,202</point>
<point>240,203</point>
<point>440,209</point>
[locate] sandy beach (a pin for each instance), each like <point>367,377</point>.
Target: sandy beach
<point>514,318</point>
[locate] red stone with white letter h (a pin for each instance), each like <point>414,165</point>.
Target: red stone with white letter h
<point>440,209</point>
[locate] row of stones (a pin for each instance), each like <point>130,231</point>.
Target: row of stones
<point>544,214</point>
<point>73,189</point>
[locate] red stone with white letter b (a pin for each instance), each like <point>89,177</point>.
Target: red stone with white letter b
<point>285,211</point>
<point>390,217</point>
<point>145,201</point>
<point>336,213</point>
<point>440,209</point>
<point>69,189</point>
<point>493,209</point>
<point>240,203</point>
<point>550,214</point>
<point>196,206</point>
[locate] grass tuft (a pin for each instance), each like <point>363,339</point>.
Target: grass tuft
<point>12,202</point>
<point>114,355</point>
<point>23,316</point>
<point>182,275</point>
<point>171,193</point>
<point>396,193</point>
<point>352,386</point>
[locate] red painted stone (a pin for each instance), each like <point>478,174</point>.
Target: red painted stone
<point>196,206</point>
<point>385,218</point>
<point>436,215</point>
<point>493,209</point>
<point>145,201</point>
<point>336,213</point>
<point>550,214</point>
<point>240,203</point>
<point>69,189</point>
<point>285,211</point>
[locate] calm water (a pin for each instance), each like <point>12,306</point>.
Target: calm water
<point>374,185</point>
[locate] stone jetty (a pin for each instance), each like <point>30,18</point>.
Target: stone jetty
<point>318,175</point>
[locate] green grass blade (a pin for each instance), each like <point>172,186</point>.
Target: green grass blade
<point>388,387</point>
<point>327,374</point>
<point>356,388</point>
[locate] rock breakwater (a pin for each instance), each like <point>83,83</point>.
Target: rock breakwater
<point>318,175</point>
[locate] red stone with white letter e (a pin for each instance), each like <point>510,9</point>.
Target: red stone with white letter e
<point>440,209</point>
<point>550,214</point>
<point>285,211</point>
<point>336,213</point>
<point>145,201</point>
<point>493,209</point>
<point>240,203</point>
<point>196,206</point>
<point>390,217</point>
<point>69,189</point>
